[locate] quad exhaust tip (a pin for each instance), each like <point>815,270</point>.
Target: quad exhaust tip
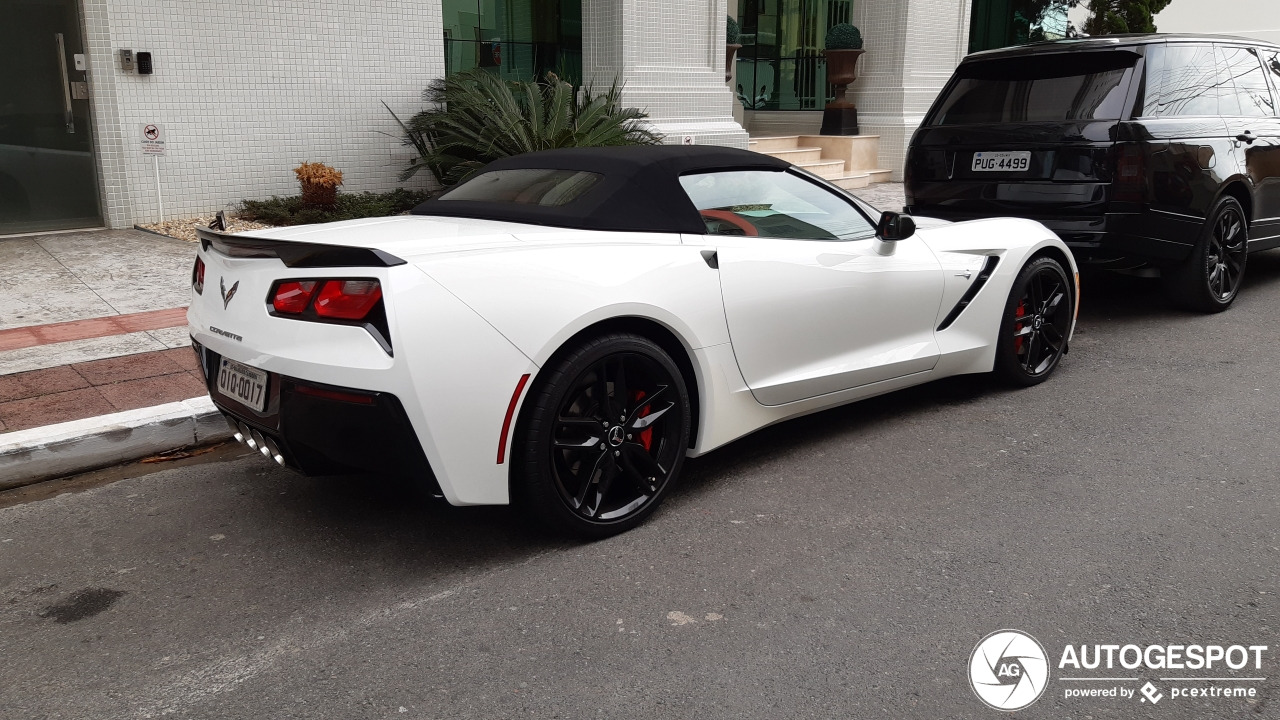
<point>255,440</point>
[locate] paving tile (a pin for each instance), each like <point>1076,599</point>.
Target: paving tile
<point>35,288</point>
<point>150,391</point>
<point>200,379</point>
<point>55,408</point>
<point>174,337</point>
<point>40,382</point>
<point>129,367</point>
<point>884,196</point>
<point>66,353</point>
<point>184,357</point>
<point>154,320</point>
<point>47,297</point>
<point>132,271</point>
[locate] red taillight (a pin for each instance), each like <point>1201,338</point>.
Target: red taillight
<point>197,276</point>
<point>1130,180</point>
<point>347,299</point>
<point>293,296</point>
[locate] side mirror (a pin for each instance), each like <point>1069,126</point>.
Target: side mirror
<point>894,226</point>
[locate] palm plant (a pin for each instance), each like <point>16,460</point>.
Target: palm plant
<point>476,117</point>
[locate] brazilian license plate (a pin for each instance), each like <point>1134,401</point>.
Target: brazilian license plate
<point>243,384</point>
<point>1008,161</point>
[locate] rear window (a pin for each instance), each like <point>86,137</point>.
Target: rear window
<point>528,186</point>
<point>1038,88</point>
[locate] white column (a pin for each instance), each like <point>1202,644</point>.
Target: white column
<point>912,47</point>
<point>670,60</point>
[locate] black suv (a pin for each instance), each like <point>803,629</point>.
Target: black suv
<point>1138,150</point>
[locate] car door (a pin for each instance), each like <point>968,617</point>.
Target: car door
<point>1187,150</point>
<point>1256,132</point>
<point>812,307</point>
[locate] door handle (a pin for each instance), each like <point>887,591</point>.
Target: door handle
<point>67,116</point>
<point>1247,137</point>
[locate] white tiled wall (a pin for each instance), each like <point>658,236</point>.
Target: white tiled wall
<point>670,56</point>
<point>912,47</point>
<point>245,90</point>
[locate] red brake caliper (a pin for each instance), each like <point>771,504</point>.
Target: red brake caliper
<point>646,435</point>
<point>1017,326</point>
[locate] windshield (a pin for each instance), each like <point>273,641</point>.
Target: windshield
<point>1042,88</point>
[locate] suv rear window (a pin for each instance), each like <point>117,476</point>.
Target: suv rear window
<point>1038,88</point>
<point>526,186</point>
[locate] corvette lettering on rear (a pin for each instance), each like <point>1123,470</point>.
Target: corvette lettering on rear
<point>225,334</point>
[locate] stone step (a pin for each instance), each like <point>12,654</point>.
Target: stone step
<point>829,169</point>
<point>861,153</point>
<point>766,144</point>
<point>880,176</point>
<point>797,155</point>
<point>852,182</point>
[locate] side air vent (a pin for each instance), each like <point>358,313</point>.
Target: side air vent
<point>987,268</point>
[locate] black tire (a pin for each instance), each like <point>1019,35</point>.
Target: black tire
<point>1036,322</point>
<point>1209,279</point>
<point>594,454</point>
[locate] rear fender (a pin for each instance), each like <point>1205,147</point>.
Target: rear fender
<point>540,297</point>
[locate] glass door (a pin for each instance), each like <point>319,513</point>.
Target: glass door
<point>48,179</point>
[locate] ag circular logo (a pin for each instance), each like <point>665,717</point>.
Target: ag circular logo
<point>1008,670</point>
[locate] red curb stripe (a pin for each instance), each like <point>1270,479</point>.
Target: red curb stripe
<point>36,335</point>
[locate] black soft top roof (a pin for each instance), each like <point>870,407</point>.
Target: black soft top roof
<point>639,190</point>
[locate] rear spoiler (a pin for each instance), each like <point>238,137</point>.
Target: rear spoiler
<point>294,254</point>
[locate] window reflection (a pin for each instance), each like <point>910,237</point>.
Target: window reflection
<point>761,203</point>
<point>518,39</point>
<point>1253,97</point>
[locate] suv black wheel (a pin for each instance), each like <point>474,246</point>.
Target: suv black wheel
<point>1036,323</point>
<point>604,437</point>
<point>1210,278</point>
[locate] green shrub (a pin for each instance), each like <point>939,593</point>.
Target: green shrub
<point>477,117</point>
<point>733,32</point>
<point>349,206</point>
<point>844,37</point>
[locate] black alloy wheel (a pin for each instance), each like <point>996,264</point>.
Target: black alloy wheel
<point>605,437</point>
<point>1210,278</point>
<point>1036,323</point>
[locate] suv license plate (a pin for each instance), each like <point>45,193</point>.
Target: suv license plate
<point>1011,161</point>
<point>243,384</point>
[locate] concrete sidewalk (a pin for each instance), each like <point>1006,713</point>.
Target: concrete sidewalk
<point>67,277</point>
<point>95,365</point>
<point>94,352</point>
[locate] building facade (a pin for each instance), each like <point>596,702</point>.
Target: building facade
<point>118,112</point>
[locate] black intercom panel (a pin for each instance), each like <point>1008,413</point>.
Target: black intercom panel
<point>144,63</point>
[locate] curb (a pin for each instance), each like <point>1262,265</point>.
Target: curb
<point>53,451</point>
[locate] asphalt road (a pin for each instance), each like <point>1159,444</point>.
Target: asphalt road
<point>839,566</point>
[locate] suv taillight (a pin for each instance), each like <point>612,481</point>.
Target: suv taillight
<point>1130,174</point>
<point>197,276</point>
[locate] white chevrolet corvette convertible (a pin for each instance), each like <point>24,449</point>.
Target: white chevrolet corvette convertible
<point>565,327</point>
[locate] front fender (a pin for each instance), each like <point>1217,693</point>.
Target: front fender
<point>969,344</point>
